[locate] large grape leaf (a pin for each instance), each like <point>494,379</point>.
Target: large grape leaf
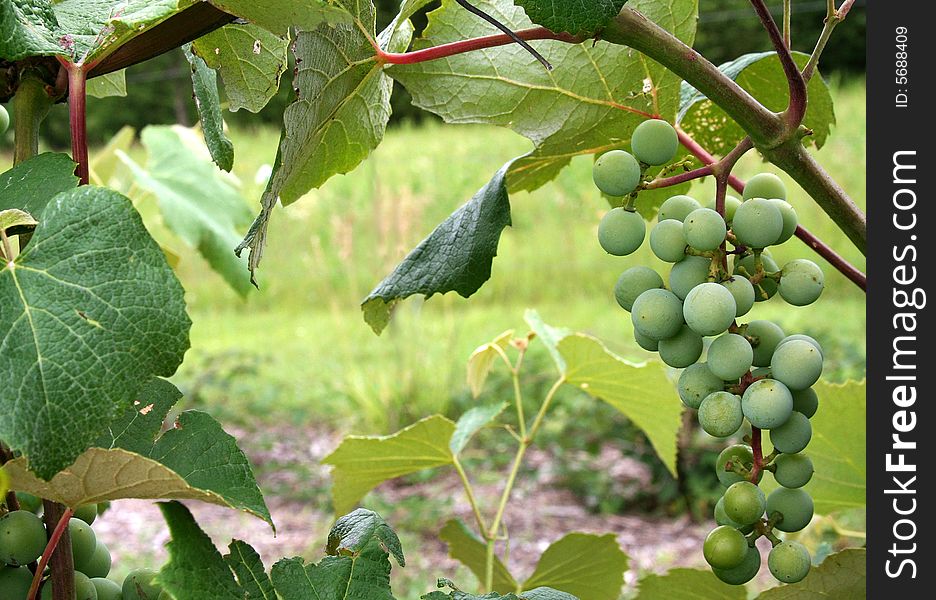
<point>841,576</point>
<point>591,567</point>
<point>244,561</point>
<point>89,312</point>
<point>589,103</point>
<point>195,459</point>
<point>542,593</point>
<point>197,202</point>
<point>208,104</point>
<point>31,184</point>
<point>456,256</point>
<point>362,463</point>
<point>469,550</point>
<point>572,16</point>
<point>762,76</point>
<point>277,16</point>
<point>106,86</point>
<point>27,28</point>
<point>697,584</point>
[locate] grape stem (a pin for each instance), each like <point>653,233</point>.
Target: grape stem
<point>77,99</point>
<point>469,45</point>
<point>58,550</point>
<point>756,447</point>
<point>796,109</point>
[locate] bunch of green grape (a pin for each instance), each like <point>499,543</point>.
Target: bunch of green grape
<point>23,538</point>
<point>752,371</point>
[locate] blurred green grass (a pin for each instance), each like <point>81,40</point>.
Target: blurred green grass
<point>298,350</point>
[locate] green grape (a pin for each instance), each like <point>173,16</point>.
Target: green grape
<point>730,356</point>
<point>621,232</point>
<point>695,383</point>
<point>681,350</point>
<point>793,436</point>
<point>654,142</point>
<point>687,274</point>
<point>744,572</point>
<point>107,589</point>
<point>737,455</point>
<point>767,335</point>
<point>724,547</point>
<point>139,585</point>
<point>616,173</point>
<point>805,402</point>
<point>793,470</point>
<point>84,543</point>
<point>757,223</point>
<point>87,513</point>
<point>722,518</point>
<point>731,205</point>
<point>633,282</point>
<point>743,292</point>
<point>746,267</point>
<point>745,503</point>
<point>704,229</point>
<point>29,502</point>
<point>99,565</point>
<point>4,120</point>
<point>84,588</point>
<point>801,282</point>
<point>796,506</point>
<point>668,241</point>
<point>764,185</point>
<point>103,507</point>
<point>657,314</point>
<point>798,364</point>
<point>22,538</point>
<point>767,403</point>
<point>720,414</point>
<point>803,337</point>
<point>709,309</point>
<point>646,343</point>
<point>15,581</point>
<point>677,207</point>
<point>790,220</point>
<point>789,562</point>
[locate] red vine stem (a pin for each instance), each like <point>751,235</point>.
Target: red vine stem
<point>462,46</point>
<point>797,108</point>
<point>57,533</point>
<point>680,178</point>
<point>757,449</point>
<point>77,119</point>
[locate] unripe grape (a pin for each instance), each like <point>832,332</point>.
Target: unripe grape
<point>730,356</point>
<point>737,455</point>
<point>697,382</point>
<point>805,402</point>
<point>681,350</point>
<point>709,309</point>
<point>139,585</point>
<point>677,207</point>
<point>731,205</point>
<point>704,229</point>
<point>633,282</point>
<point>767,403</point>
<point>646,343</point>
<point>29,502</point>
<point>654,142</point>
<point>793,436</point>
<point>83,541</point>
<point>84,588</point>
<point>790,221</point>
<point>87,513</point>
<point>621,231</point>
<point>99,565</point>
<point>747,267</point>
<point>789,562</point>
<point>795,505</point>
<point>722,518</point>
<point>668,241</point>
<point>15,581</point>
<point>767,335</point>
<point>616,173</point>
<point>724,547</point>
<point>22,538</point>
<point>107,589</point>
<point>744,502</point>
<point>803,337</point>
<point>687,274</point>
<point>757,223</point>
<point>764,185</point>
<point>657,314</point>
<point>743,292</point>
<point>4,120</point>
<point>720,414</point>
<point>793,470</point>
<point>798,364</point>
<point>744,572</point>
<point>801,282</point>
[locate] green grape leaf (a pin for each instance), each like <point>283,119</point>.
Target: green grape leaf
<point>89,311</point>
<point>589,103</point>
<point>31,184</point>
<point>27,28</point>
<point>762,76</point>
<point>351,534</point>
<point>362,463</point>
<point>197,202</point>
<point>14,221</point>
<point>278,16</point>
<point>249,59</point>
<point>364,575</point>
<point>481,360</point>
<point>469,550</point>
<point>208,104</point>
<point>456,256</point>
<point>641,391</point>
<point>195,459</point>
<point>105,162</point>
<point>244,561</point>
<point>109,85</point>
<point>541,593</point>
<point>698,584</point>
<point>471,422</point>
<point>841,576</point>
<point>589,566</point>
<point>572,16</point>
<point>547,334</point>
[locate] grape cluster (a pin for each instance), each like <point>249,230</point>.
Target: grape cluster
<point>752,371</point>
<point>23,539</point>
